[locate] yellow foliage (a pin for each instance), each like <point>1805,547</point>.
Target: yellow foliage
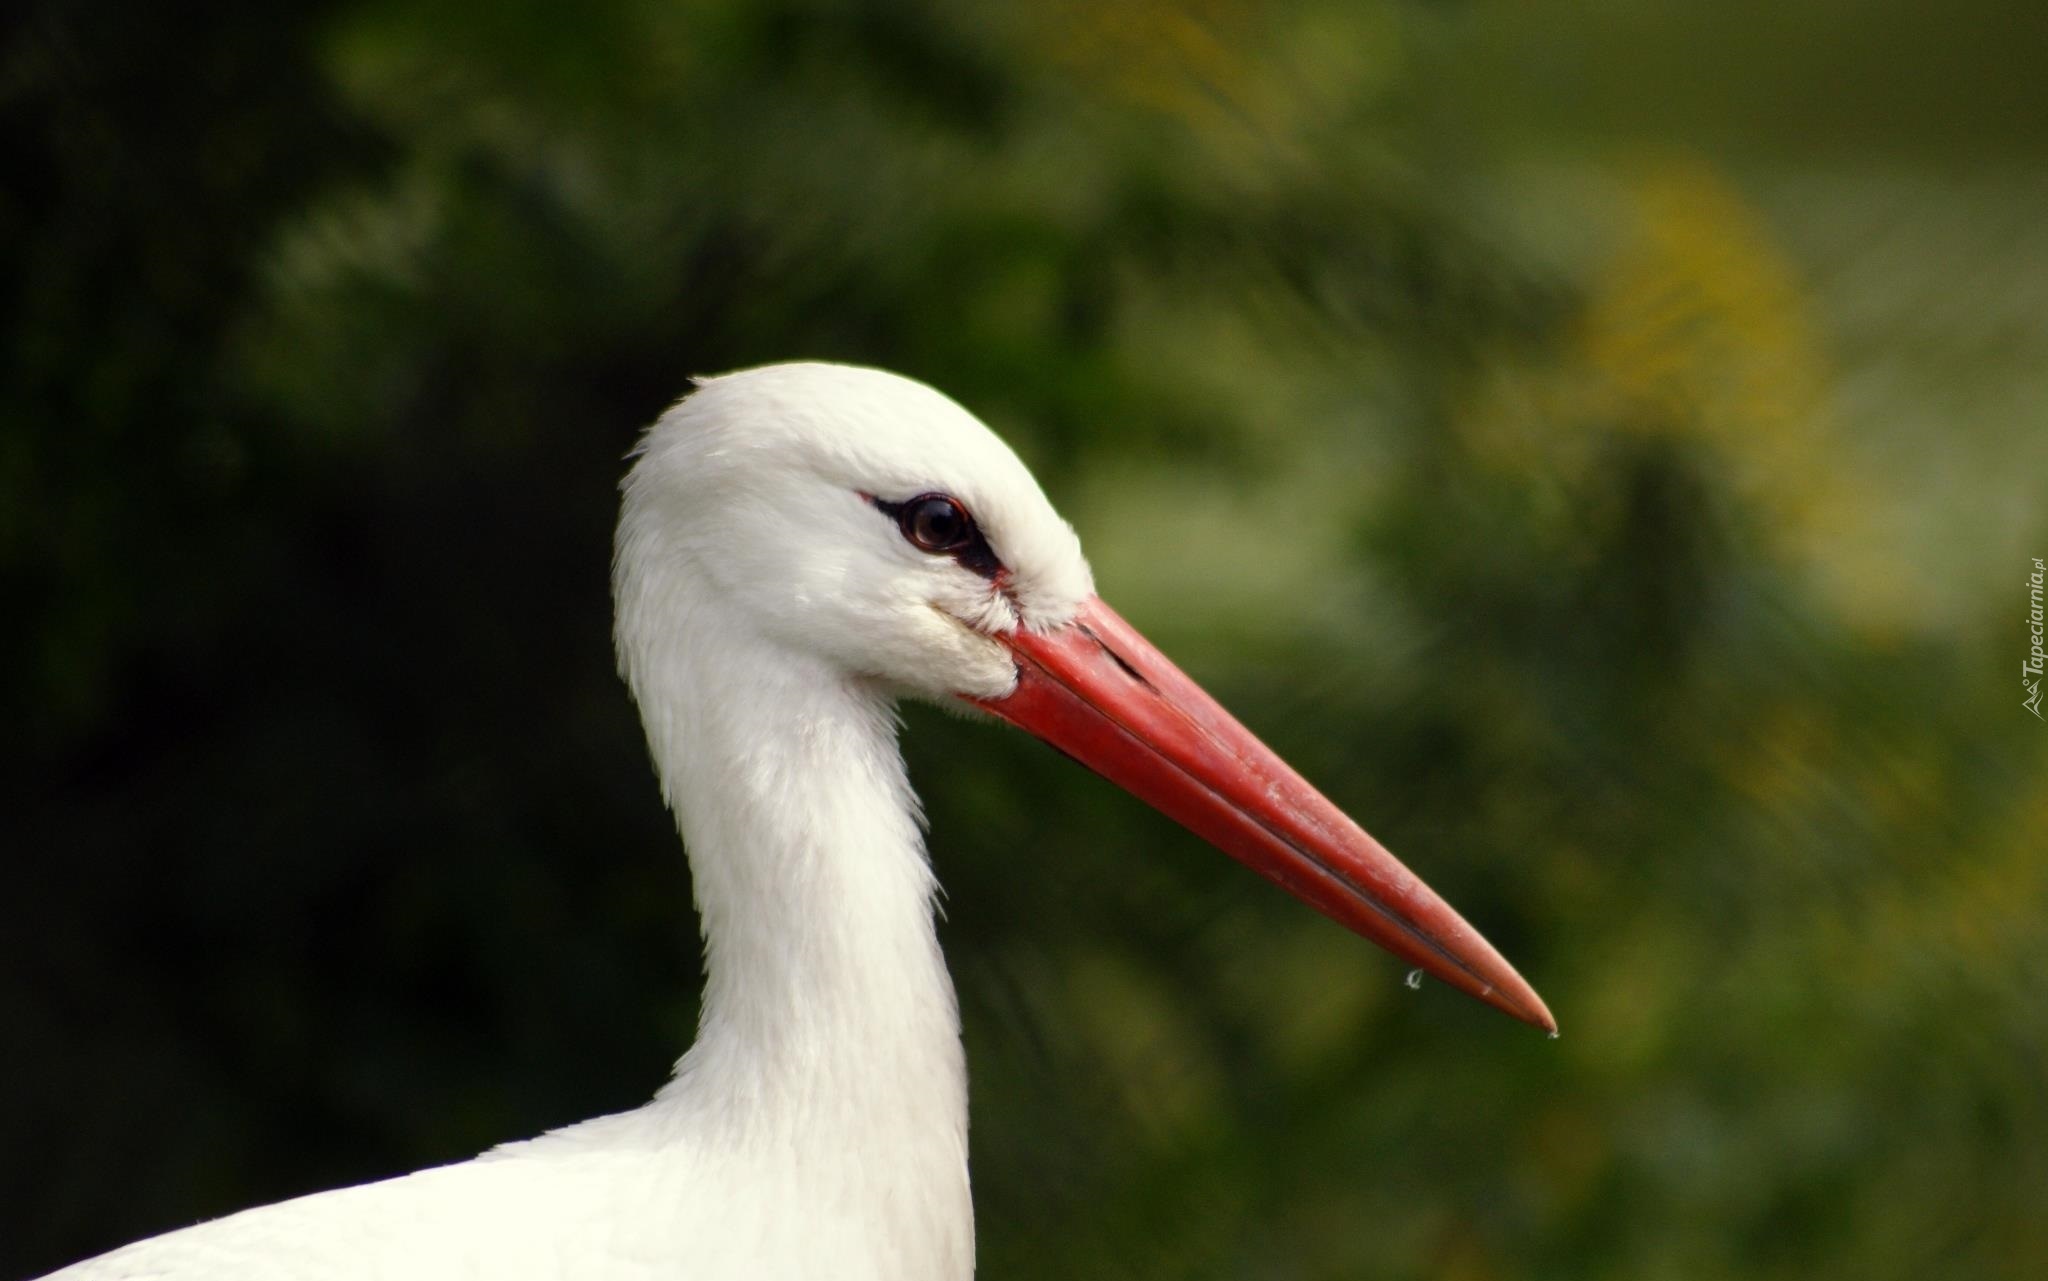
<point>1696,326</point>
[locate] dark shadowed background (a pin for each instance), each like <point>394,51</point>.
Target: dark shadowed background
<point>1603,444</point>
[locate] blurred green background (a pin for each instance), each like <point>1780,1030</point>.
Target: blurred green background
<point>1602,444</point>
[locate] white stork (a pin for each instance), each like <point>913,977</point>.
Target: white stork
<point>800,546</point>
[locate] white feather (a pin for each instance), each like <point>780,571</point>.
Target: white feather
<point>768,616</point>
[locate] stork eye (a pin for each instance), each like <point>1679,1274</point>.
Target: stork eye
<point>936,523</point>
<point>939,524</point>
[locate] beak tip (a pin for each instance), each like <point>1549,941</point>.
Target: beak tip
<point>1529,1008</point>
<point>1500,985</point>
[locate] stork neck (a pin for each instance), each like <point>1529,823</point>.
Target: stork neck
<point>826,999</point>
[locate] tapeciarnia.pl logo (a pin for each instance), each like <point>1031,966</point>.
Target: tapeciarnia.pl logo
<point>2030,671</point>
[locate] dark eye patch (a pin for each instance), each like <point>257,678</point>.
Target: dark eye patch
<point>940,524</point>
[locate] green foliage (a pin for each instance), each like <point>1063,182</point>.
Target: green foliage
<point>1603,459</point>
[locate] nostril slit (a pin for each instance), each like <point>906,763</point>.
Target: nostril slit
<point>1115,657</point>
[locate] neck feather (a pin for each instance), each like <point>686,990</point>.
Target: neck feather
<point>827,1007</point>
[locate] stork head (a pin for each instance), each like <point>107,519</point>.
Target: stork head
<point>858,516</point>
<point>863,519</point>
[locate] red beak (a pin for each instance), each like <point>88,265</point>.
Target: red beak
<point>1098,691</point>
